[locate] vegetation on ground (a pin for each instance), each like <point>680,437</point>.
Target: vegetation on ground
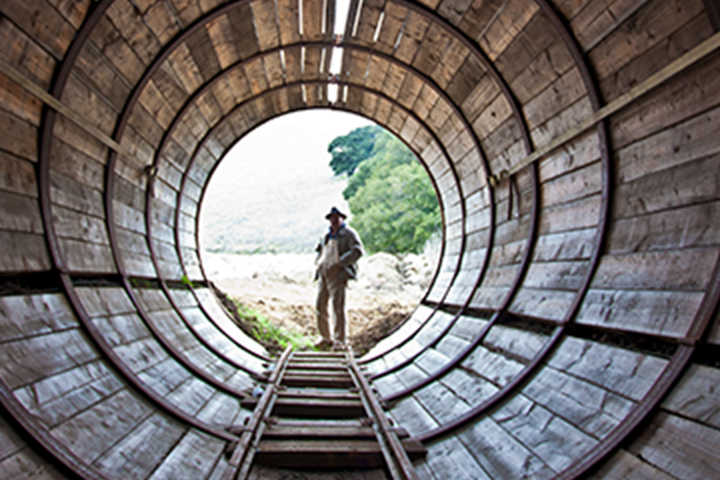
<point>393,203</point>
<point>257,326</point>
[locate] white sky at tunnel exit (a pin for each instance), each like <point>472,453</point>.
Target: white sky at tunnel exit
<point>275,186</point>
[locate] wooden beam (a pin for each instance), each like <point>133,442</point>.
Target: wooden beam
<point>52,102</point>
<point>678,66</point>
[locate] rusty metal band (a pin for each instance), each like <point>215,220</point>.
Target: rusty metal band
<point>43,442</point>
<point>44,155</point>
<point>173,351</point>
<point>99,341</point>
<point>399,456</point>
<point>600,239</point>
<point>312,82</point>
<point>190,103</point>
<point>242,456</point>
<point>497,316</point>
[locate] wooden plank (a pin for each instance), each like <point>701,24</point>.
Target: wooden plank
<point>668,49</point>
<point>312,18</point>
<point>591,408</point>
<point>57,399</point>
<point>412,416</point>
<point>667,270</point>
<point>506,26</point>
<point>29,360</point>
<point>23,252</point>
<point>539,37</point>
<point>695,397</point>
<point>132,458</point>
<point>413,33</point>
<point>495,367</point>
<point>20,213</point>
<point>659,19</point>
<point>621,102</point>
<point>17,137</point>
<point>29,315</point>
<point>679,447</point>
<point>501,455</point>
<point>194,457</point>
<point>130,24</point>
<point>264,20</point>
<point>441,402</point>
<point>203,53</point>
<point>41,21</point>
<point>655,313</point>
<point>623,372</point>
<point>288,21</point>
<point>393,19</point>
<point>627,465</point>
<point>671,151</point>
<point>468,386</point>
<point>97,429</point>
<point>558,443</point>
<point>450,459</point>
<point>22,52</point>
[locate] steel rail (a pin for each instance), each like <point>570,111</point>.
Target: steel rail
<point>239,465</point>
<point>397,459</point>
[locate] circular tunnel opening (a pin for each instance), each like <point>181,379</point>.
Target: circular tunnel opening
<point>262,218</point>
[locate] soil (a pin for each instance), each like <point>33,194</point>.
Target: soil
<point>282,288</point>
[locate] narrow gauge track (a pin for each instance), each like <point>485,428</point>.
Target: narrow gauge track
<point>318,413</point>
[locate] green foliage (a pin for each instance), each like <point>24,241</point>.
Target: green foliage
<point>392,200</point>
<point>351,149</point>
<point>264,331</point>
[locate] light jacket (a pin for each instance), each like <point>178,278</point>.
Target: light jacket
<point>349,250</point>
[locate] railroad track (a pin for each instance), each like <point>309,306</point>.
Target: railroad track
<point>318,413</point>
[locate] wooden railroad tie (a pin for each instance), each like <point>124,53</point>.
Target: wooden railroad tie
<point>323,417</point>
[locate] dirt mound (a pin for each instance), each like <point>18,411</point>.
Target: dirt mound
<point>282,288</point>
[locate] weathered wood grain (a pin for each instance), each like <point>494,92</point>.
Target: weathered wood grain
<point>412,416</point>
<point>131,456</point>
<point>449,457</point>
<point>587,406</point>
<point>554,440</point>
<point>658,313</point>
<point>28,315</point>
<point>97,429</point>
<point>441,402</point>
<point>57,399</point>
<point>626,373</point>
<point>500,454</point>
<point>44,23</point>
<point>679,447</point>
<point>26,361</point>
<point>626,465</point>
<point>657,20</point>
<point>495,367</point>
<point>506,26</point>
<point>131,26</point>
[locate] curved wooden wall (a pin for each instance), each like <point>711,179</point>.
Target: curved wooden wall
<point>572,328</point>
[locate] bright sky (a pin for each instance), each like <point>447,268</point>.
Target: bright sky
<point>275,185</point>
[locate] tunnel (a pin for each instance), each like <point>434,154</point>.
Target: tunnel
<point>571,328</point>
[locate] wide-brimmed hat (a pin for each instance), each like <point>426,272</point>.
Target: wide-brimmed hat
<point>335,211</point>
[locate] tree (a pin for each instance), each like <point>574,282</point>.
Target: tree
<point>392,200</point>
<point>351,149</point>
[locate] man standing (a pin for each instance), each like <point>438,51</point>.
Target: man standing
<point>338,251</point>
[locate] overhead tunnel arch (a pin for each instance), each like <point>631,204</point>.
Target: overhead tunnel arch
<point>572,326</point>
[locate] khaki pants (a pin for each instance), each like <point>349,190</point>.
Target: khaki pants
<point>331,287</point>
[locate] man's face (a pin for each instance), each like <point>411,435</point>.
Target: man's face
<point>335,221</point>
